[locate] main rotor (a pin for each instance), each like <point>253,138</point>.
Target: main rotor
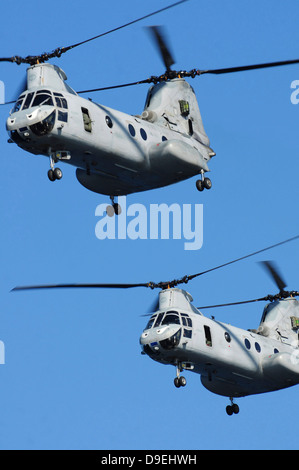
<point>167,57</point>
<point>269,266</point>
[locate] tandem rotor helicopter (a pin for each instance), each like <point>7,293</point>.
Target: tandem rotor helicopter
<point>116,153</point>
<point>232,362</point>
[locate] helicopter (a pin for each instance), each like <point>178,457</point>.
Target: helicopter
<point>115,153</point>
<point>231,361</point>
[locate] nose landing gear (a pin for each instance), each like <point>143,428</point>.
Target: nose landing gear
<point>54,173</point>
<point>179,381</point>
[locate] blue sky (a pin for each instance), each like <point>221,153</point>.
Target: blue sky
<point>73,376</point>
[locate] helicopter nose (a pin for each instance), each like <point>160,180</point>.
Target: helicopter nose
<point>38,122</point>
<point>161,338</point>
<point>24,118</point>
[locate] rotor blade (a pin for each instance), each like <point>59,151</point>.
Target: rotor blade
<point>249,67</point>
<point>112,87</point>
<point>234,303</point>
<point>75,286</point>
<point>128,24</point>
<point>161,285</point>
<point>194,73</point>
<point>61,50</point>
<point>273,271</point>
<point>159,36</point>
<point>189,278</point>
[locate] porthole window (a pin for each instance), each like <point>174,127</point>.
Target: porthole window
<point>143,134</point>
<point>132,130</point>
<point>109,121</point>
<point>247,343</point>
<point>257,347</point>
<point>227,337</point>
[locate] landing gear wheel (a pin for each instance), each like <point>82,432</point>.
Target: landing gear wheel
<point>117,208</point>
<point>236,409</point>
<point>110,211</point>
<point>199,185</point>
<point>51,175</point>
<point>57,173</point>
<point>114,209</point>
<point>207,183</point>
<point>177,382</point>
<point>232,409</point>
<point>182,381</point>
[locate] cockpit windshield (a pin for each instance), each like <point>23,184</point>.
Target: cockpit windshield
<point>43,97</point>
<point>18,104</point>
<point>39,98</point>
<point>169,318</point>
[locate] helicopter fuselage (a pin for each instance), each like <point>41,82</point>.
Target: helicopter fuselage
<point>115,153</point>
<point>231,361</point>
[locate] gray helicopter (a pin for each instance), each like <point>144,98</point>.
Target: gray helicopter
<point>232,362</point>
<point>116,153</point>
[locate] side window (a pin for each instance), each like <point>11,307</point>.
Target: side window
<point>63,103</point>
<point>62,116</point>
<point>190,125</point>
<point>132,130</point>
<point>60,100</point>
<point>208,335</point>
<point>187,322</point>
<point>86,120</point>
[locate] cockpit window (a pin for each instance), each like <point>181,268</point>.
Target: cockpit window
<point>27,100</point>
<point>151,322</point>
<point>18,105</point>
<point>41,98</point>
<point>186,320</point>
<point>171,318</point>
<point>155,320</point>
<point>159,318</point>
<point>60,100</point>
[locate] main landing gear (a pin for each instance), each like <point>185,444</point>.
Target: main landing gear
<point>54,173</point>
<point>204,183</point>
<point>179,381</point>
<point>114,208</point>
<point>232,409</point>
